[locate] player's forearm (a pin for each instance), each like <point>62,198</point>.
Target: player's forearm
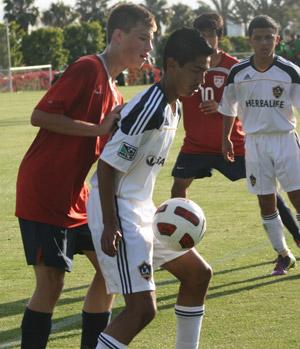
<point>64,125</point>
<point>106,183</point>
<point>228,122</point>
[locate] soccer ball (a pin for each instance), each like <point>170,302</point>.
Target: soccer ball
<point>179,224</point>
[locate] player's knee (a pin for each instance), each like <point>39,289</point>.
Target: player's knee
<point>144,311</point>
<point>206,274</point>
<point>199,277</point>
<point>51,286</point>
<point>55,290</point>
<point>148,314</point>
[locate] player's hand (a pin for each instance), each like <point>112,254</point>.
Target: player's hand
<point>209,107</point>
<point>227,150</point>
<point>110,122</point>
<point>110,239</point>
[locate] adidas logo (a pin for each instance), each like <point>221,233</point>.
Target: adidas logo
<point>247,77</point>
<point>166,123</point>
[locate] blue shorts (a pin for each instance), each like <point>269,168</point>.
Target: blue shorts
<point>202,165</point>
<point>54,246</point>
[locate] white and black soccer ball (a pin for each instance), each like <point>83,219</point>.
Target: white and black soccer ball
<point>179,224</point>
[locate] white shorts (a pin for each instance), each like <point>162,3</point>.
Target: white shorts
<point>131,270</point>
<point>272,157</point>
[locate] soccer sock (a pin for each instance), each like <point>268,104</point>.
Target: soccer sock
<point>189,321</point>
<point>287,217</point>
<point>36,328</point>
<point>107,342</point>
<point>298,219</point>
<point>274,228</point>
<point>92,325</point>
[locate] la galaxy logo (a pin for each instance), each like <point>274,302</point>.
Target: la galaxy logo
<point>252,180</point>
<point>277,91</point>
<point>219,81</point>
<point>145,270</point>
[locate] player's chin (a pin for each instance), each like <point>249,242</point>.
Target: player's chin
<point>189,91</point>
<point>137,64</point>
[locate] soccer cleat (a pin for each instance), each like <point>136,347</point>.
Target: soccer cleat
<point>284,264</point>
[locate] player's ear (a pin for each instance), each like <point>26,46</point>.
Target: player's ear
<point>117,36</point>
<point>277,39</point>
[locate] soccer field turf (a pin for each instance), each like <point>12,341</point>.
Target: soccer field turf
<point>246,308</point>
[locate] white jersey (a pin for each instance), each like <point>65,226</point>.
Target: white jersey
<point>263,101</point>
<point>139,148</point>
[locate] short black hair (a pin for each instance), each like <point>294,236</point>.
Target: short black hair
<point>185,45</point>
<point>126,16</point>
<point>210,21</point>
<point>262,21</point>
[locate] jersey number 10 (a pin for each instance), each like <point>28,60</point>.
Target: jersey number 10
<point>207,93</point>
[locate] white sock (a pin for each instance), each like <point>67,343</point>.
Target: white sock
<point>107,342</point>
<point>189,321</point>
<point>274,228</point>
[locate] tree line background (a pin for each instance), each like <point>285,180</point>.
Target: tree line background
<point>61,34</point>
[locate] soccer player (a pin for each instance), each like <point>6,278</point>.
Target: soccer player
<point>262,90</point>
<point>201,151</point>
<point>51,193</point>
<point>120,211</point>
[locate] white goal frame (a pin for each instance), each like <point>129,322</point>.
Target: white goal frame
<point>31,68</point>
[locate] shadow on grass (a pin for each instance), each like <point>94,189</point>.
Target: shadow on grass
<point>17,307</point>
<point>74,321</point>
<point>14,122</point>
<point>212,295</point>
<point>11,338</point>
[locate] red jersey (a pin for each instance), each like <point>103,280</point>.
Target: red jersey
<point>203,132</point>
<point>50,184</point>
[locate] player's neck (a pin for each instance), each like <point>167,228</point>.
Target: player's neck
<point>113,63</point>
<point>263,63</point>
<point>167,87</point>
<point>216,58</point>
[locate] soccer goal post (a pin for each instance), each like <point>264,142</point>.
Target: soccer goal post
<point>5,60</point>
<point>31,78</point>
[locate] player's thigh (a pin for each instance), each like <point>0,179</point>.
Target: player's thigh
<point>141,301</point>
<point>84,245</point>
<point>48,279</point>
<point>260,171</point>
<point>181,184</point>
<point>131,270</point>
<point>287,161</point>
<point>190,267</point>
<point>46,244</point>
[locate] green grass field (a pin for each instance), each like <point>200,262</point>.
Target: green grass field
<point>245,308</point>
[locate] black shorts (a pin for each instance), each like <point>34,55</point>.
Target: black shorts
<point>54,246</point>
<point>202,165</point>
